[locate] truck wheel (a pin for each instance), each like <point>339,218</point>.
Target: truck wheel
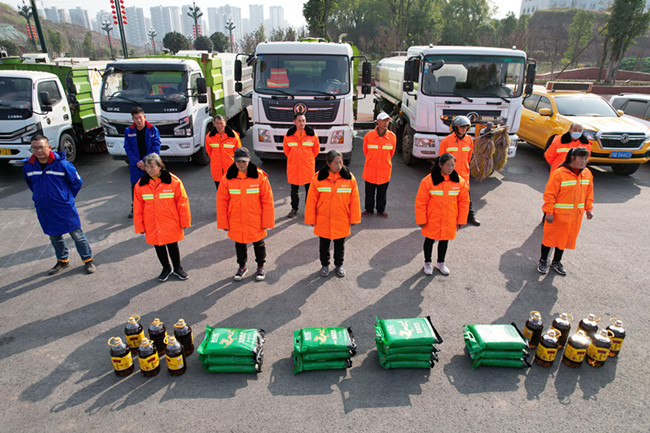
<point>67,144</point>
<point>407,146</point>
<point>243,124</point>
<point>625,169</point>
<point>201,157</point>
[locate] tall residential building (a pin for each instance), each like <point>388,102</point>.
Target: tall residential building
<point>161,20</point>
<point>230,13</point>
<point>246,26</point>
<point>79,17</point>
<point>136,30</point>
<point>99,20</point>
<point>276,17</point>
<point>51,14</point>
<point>256,16</point>
<point>530,6</point>
<point>175,19</point>
<point>212,21</point>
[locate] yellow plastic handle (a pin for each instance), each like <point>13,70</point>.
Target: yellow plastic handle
<point>116,341</point>
<point>613,321</point>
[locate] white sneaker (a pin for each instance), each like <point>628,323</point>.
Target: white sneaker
<point>444,270</point>
<point>428,269</point>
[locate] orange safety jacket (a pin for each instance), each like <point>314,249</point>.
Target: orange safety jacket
<point>378,151</point>
<point>221,150</point>
<point>161,209</point>
<point>278,78</point>
<point>333,203</point>
<point>442,203</point>
<point>301,150</point>
<point>245,204</point>
<point>462,151</point>
<point>567,196</point>
<point>556,152</point>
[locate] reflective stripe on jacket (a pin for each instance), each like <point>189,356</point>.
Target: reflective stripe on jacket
<point>245,204</point>
<point>378,151</point>
<point>301,155</point>
<point>333,203</point>
<point>221,150</point>
<point>556,152</point>
<point>462,151</point>
<point>161,209</point>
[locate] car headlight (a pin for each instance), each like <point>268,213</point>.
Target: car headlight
<point>108,128</point>
<point>337,137</point>
<point>184,129</point>
<point>590,135</point>
<point>264,136</point>
<point>29,131</point>
<point>424,142</point>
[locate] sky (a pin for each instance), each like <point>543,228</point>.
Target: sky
<point>292,8</point>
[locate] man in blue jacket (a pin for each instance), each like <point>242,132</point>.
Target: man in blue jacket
<point>54,183</point>
<point>140,139</point>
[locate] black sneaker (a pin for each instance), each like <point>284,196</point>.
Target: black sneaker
<point>471,220</point>
<point>542,266</point>
<point>241,272</point>
<point>181,274</point>
<point>90,267</point>
<point>260,275</point>
<point>60,265</point>
<point>557,267</point>
<point>292,213</point>
<point>324,271</point>
<point>340,272</point>
<point>165,274</point>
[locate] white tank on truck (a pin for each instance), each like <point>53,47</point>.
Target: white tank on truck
<point>426,88</point>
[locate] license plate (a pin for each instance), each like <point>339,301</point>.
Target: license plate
<point>5,151</point>
<point>620,154</point>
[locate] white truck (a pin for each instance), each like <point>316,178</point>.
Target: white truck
<point>310,77</point>
<point>426,88</point>
<point>55,98</point>
<point>180,96</point>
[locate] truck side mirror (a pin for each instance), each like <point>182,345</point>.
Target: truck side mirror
<point>528,90</point>
<point>239,86</point>
<point>201,86</point>
<point>238,71</point>
<point>531,72</point>
<point>45,101</point>
<point>203,98</point>
<point>407,86</point>
<point>70,87</point>
<point>366,75</point>
<point>410,74</point>
<point>366,89</point>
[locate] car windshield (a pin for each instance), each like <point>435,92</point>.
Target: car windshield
<point>15,93</point>
<point>584,105</point>
<point>156,91</point>
<point>474,76</point>
<point>304,74</point>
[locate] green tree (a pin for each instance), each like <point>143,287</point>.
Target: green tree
<point>175,42</point>
<point>283,34</point>
<point>462,19</point>
<point>625,22</point>
<point>12,48</point>
<point>505,31</point>
<point>88,46</point>
<point>317,14</point>
<point>580,31</point>
<point>55,42</point>
<point>220,42</point>
<point>260,36</point>
<point>203,43</point>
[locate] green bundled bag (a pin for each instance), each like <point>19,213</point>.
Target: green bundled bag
<point>496,345</point>
<point>407,364</point>
<point>516,363</point>
<point>326,356</point>
<point>406,343</point>
<point>231,342</point>
<point>406,349</point>
<point>318,340</point>
<point>234,360</point>
<point>256,368</point>
<point>388,357</point>
<point>300,364</point>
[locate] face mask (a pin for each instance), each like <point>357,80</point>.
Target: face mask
<point>576,135</point>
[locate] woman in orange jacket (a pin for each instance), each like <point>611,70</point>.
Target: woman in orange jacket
<point>568,195</point>
<point>245,210</point>
<point>301,146</point>
<point>220,145</point>
<point>378,148</point>
<point>441,206</point>
<point>161,210</point>
<point>332,207</point>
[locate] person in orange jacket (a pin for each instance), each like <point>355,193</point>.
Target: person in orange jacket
<point>378,148</point>
<point>301,146</point>
<point>332,207</point>
<point>461,145</point>
<point>561,144</point>
<point>245,210</point>
<point>568,195</point>
<point>220,145</point>
<point>441,206</point>
<point>161,210</point>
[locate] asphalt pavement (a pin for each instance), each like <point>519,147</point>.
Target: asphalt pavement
<point>56,369</point>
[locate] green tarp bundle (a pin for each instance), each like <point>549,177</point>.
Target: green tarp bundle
<point>406,343</point>
<point>496,345</point>
<point>322,349</point>
<point>226,350</point>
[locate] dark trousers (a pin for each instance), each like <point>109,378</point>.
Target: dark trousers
<point>294,195</point>
<point>132,193</point>
<point>242,255</point>
<point>380,190</point>
<point>428,248</point>
<point>174,254</point>
<point>557,255</point>
<point>216,184</point>
<point>470,214</point>
<point>339,250</point>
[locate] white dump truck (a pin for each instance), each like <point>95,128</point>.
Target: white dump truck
<point>426,88</point>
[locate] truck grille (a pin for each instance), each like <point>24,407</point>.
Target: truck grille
<point>622,141</point>
<point>278,110</point>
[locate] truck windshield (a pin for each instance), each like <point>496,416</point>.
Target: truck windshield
<point>303,74</point>
<point>155,91</point>
<point>15,98</point>
<point>474,76</point>
<point>583,105</point>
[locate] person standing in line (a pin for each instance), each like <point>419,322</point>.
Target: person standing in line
<point>461,145</point>
<point>245,210</point>
<point>220,145</point>
<point>378,148</point>
<point>568,195</point>
<point>561,144</point>
<point>54,183</point>
<point>161,210</point>
<point>301,146</point>
<point>332,207</point>
<point>140,140</point>
<point>441,207</point>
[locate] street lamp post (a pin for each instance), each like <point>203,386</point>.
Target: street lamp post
<point>152,34</point>
<point>195,13</point>
<point>26,12</point>
<point>119,19</point>
<point>230,26</point>
<point>39,29</point>
<point>107,27</point>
